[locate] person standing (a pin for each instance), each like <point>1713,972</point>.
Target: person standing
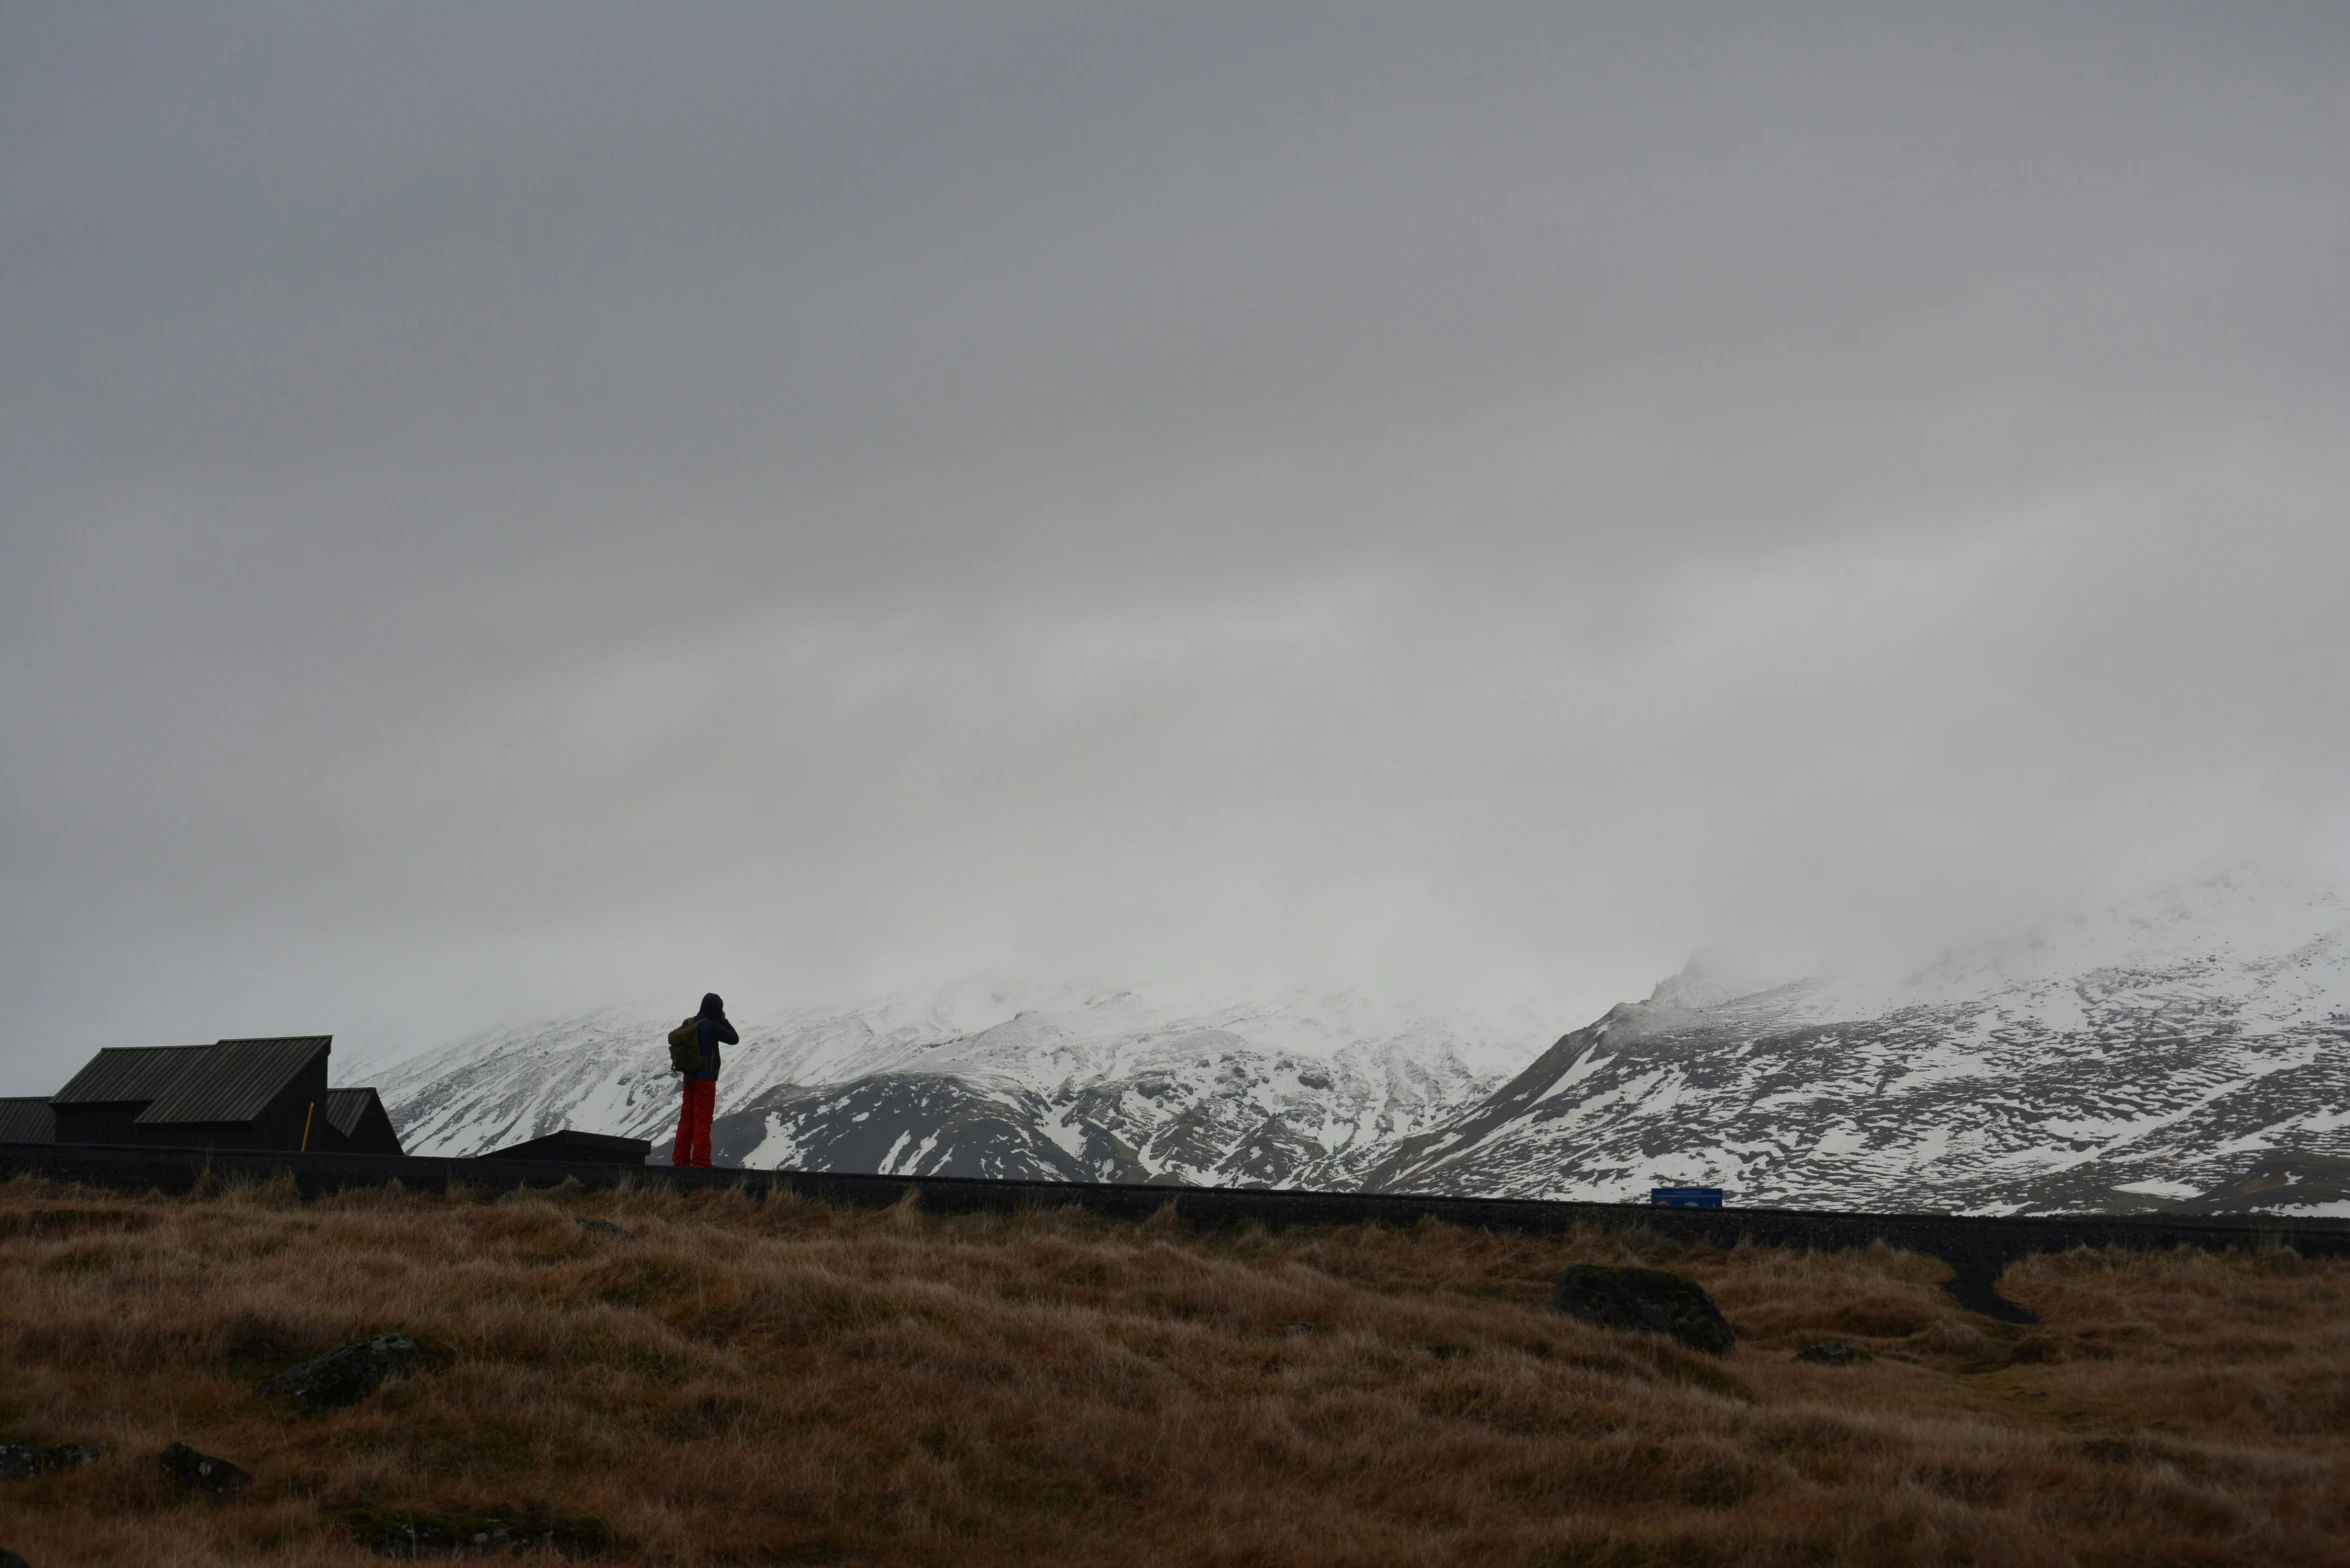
<point>697,1040</point>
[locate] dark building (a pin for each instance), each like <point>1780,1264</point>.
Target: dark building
<point>592,1148</point>
<point>27,1120</point>
<point>233,1094</point>
<point>359,1119</point>
<point>101,1103</point>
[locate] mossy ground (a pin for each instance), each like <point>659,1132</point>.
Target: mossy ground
<point>745,1380</point>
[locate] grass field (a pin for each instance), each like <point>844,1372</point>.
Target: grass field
<point>744,1380</point>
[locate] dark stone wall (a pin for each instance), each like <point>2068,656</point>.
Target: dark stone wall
<point>1977,1249</point>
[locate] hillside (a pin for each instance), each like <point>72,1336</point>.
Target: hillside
<point>1098,1086</point>
<point>2124,1062</point>
<point>717,1380</point>
<point>2154,1053</point>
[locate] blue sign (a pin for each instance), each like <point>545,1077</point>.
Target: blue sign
<point>1686,1197</point>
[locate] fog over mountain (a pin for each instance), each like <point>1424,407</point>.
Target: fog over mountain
<point>533,513</point>
<point>1090,1086</point>
<point>2187,1046</point>
<point>2155,1052</point>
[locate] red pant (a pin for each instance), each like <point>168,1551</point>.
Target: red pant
<point>693,1125</point>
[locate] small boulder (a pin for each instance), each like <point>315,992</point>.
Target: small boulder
<point>409,1533</point>
<point>9,1559</point>
<point>606,1228</point>
<point>23,1461</point>
<point>1831,1353</point>
<point>1649,1301</point>
<point>202,1472</point>
<point>344,1375</point>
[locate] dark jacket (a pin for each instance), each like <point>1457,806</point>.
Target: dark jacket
<point>715,1031</point>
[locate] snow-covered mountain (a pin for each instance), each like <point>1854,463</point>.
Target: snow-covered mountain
<point>1099,1087</point>
<point>2127,1061</point>
<point>2190,1048</point>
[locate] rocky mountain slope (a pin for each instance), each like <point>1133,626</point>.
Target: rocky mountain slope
<point>1100,1087</point>
<point>2188,1049</point>
<point>2136,1060</point>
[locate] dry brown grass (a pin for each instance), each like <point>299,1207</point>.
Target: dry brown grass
<point>777,1381</point>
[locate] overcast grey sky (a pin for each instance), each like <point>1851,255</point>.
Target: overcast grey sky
<point>506,508</point>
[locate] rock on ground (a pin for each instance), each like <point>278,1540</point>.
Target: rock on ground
<point>409,1533</point>
<point>1831,1353</point>
<point>23,1461</point>
<point>1647,1300</point>
<point>343,1375</point>
<point>203,1472</point>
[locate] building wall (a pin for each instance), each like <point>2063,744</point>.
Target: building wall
<point>99,1123</point>
<point>278,1126</point>
<point>375,1134</point>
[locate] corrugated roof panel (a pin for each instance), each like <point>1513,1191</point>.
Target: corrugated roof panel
<point>344,1107</point>
<point>234,1080</point>
<point>27,1121</point>
<point>124,1073</point>
<point>571,1144</point>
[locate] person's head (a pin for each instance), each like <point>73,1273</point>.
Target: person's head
<point>712,1007</point>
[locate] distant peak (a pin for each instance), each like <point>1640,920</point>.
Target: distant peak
<point>1707,980</point>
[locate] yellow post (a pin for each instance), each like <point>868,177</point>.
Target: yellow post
<point>310,1116</point>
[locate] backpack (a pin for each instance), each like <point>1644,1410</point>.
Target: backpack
<point>685,1047</point>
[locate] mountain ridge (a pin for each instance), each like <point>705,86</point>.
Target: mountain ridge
<point>2141,1057</point>
<point>2114,1062</point>
<point>1110,1088</point>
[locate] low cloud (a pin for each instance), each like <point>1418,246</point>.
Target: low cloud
<point>504,512</point>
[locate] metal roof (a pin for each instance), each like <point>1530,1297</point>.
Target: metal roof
<point>124,1073</point>
<point>234,1080</point>
<point>27,1121</point>
<point>571,1144</point>
<point>344,1107</point>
